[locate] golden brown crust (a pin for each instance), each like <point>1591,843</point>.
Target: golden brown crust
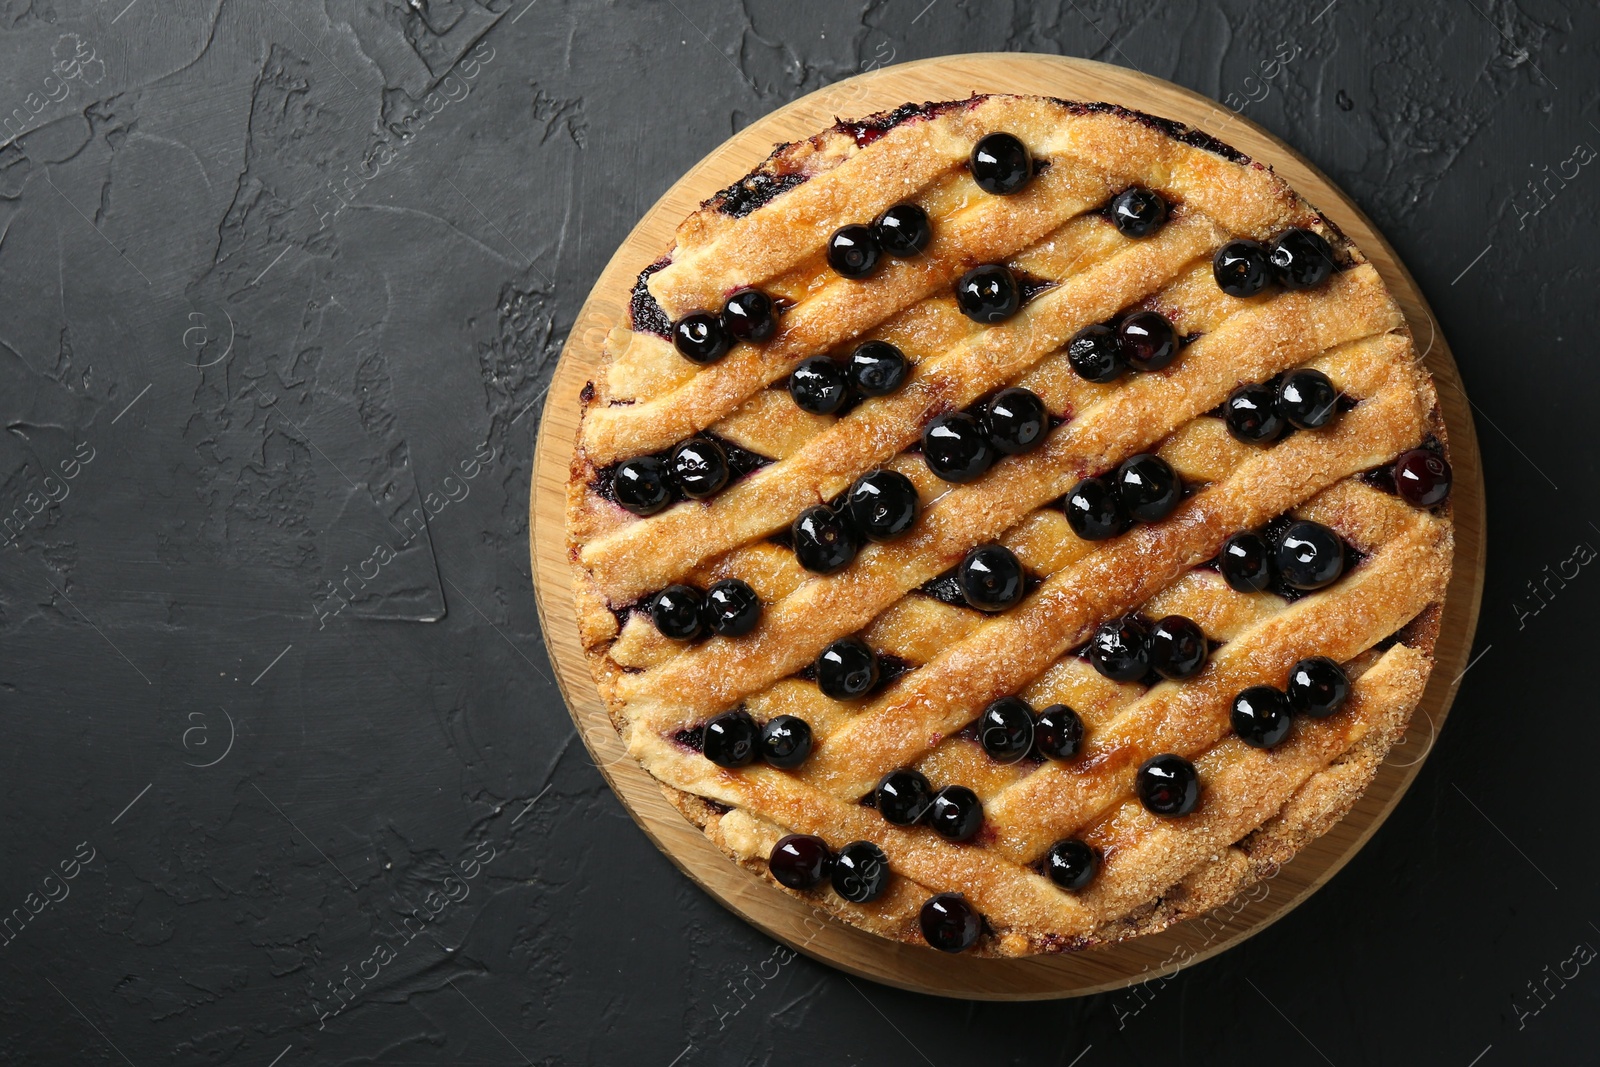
<point>1259,808</point>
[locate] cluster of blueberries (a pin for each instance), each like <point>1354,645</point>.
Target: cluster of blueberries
<point>960,446</point>
<point>1143,488</point>
<point>1128,649</point>
<point>822,386</point>
<point>1297,258</point>
<point>902,231</point>
<point>1260,412</point>
<point>1142,341</point>
<point>1317,688</point>
<point>859,871</point>
<point>698,468</point>
<point>747,315</point>
<point>730,608</point>
<point>880,506</point>
<point>1306,556</point>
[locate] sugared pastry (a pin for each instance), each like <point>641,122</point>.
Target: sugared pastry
<point>1014,531</point>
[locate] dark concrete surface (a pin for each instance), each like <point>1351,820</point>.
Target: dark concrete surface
<point>275,274</point>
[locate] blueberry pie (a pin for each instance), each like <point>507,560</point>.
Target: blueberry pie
<point>1012,525</point>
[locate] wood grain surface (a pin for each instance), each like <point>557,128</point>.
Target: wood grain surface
<point>790,920</point>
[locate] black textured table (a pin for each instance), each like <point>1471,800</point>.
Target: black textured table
<point>285,780</point>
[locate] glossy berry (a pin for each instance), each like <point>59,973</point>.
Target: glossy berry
<point>1001,164</point>
<point>853,251</point>
<point>1245,562</point>
<point>823,541</point>
<point>1058,732</point>
<point>1147,340</point>
<point>1422,478</point>
<point>641,485</point>
<point>882,505</point>
<point>1095,511</point>
<point>1310,556</point>
<point>1178,648</point>
<point>732,608</point>
<point>1261,716</point>
<point>903,230</point>
<point>1120,649</point>
<point>1005,729</point>
<point>1017,421</point>
<point>730,739</point>
<point>860,872</point>
<point>1095,354</point>
<point>1148,487</point>
<point>1071,864</point>
<point>700,338</point>
<point>1168,785</point>
<point>1307,399</point>
<point>847,669</point>
<point>749,315</point>
<point>989,294</point>
<point>1251,415</point>
<point>877,368</point>
<point>957,813</point>
<point>991,578</point>
<point>956,447</point>
<point>1241,268</point>
<point>903,797</point>
<point>699,468</point>
<point>949,923</point>
<point>1318,687</point>
<point>676,611</point>
<point>819,386</point>
<point>1138,212</point>
<point>1301,259</point>
<point>800,861</point>
<point>786,741</point>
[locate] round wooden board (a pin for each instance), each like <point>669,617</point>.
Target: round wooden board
<point>789,919</point>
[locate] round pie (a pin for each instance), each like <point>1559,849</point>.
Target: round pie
<point>1014,525</point>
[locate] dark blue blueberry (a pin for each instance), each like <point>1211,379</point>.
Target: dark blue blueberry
<point>1017,421</point>
<point>1148,487</point>
<point>1421,477</point>
<point>1120,649</point>
<point>1138,212</point>
<point>882,505</point>
<point>860,872</point>
<point>1168,785</point>
<point>1178,648</point>
<point>1307,398</point>
<point>957,813</point>
<point>786,741</point>
<point>1318,687</point>
<point>1251,414</point>
<point>1245,562</point>
<point>641,485</point>
<point>1302,259</point>
<point>1310,556</point>
<point>1242,268</point>
<point>989,294</point>
<point>903,797</point>
<point>1095,354</point>
<point>699,468</point>
<point>730,739</point>
<point>877,368</point>
<point>949,923</point>
<point>1001,164</point>
<point>1147,340</point>
<point>853,251</point>
<point>823,541</point>
<point>800,861</point>
<point>903,230</point>
<point>749,315</point>
<point>956,447</point>
<point>676,611</point>
<point>1005,729</point>
<point>991,578</point>
<point>847,669</point>
<point>732,608</point>
<point>1261,716</point>
<point>1071,864</point>
<point>819,386</point>
<point>1058,732</point>
<point>700,338</point>
<point>1095,511</point>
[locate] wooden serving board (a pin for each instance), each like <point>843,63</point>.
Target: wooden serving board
<point>790,920</point>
